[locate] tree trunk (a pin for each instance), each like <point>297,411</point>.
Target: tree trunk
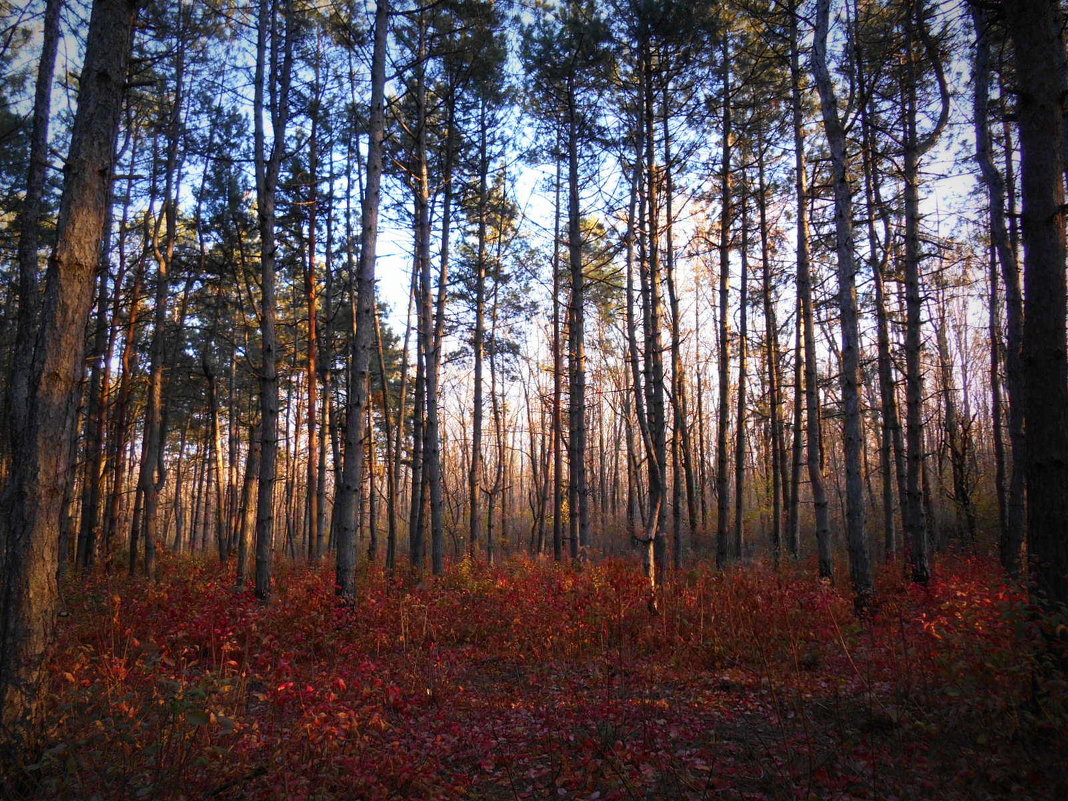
<point>311,371</point>
<point>558,383</point>
<point>683,448</point>
<point>738,545</point>
<point>268,167</point>
<point>578,491</point>
<point>1013,514</point>
<point>247,514</point>
<point>723,499</point>
<point>914,148</point>
<point>474,468</point>
<point>432,349</point>
<point>779,473</point>
<point>34,497</point>
<point>1034,27</point>
<point>18,394</point>
<point>813,439</point>
<point>853,433</point>
<point>352,478</point>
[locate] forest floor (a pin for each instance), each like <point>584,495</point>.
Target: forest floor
<point>536,681</point>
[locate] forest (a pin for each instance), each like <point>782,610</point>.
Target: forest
<point>533,399</point>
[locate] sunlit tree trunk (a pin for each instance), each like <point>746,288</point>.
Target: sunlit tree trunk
<point>33,501</point>
<point>29,222</point>
<point>352,477</point>
<point>247,507</point>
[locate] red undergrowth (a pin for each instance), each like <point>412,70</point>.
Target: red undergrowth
<point>535,681</point>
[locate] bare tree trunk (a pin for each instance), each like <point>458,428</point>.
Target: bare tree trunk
<point>247,514</point>
<point>372,492</point>
<point>779,476</point>
<point>33,500</point>
<point>891,447</point>
<point>268,167</point>
<point>956,429</point>
<point>474,469</point>
<point>997,412</point>
<point>19,386</point>
<point>217,459</point>
<point>1034,28</point>
<point>320,486</point>
<point>312,506</point>
<point>914,148</point>
<point>578,489</point>
<point>151,476</point>
<point>635,231</point>
<point>558,382</point>
<point>652,314</point>
<point>432,349</point>
<point>96,419</point>
<point>1013,515</point>
<point>793,518</point>
<point>814,448</point>
<point>738,545</point>
<point>123,396</point>
<point>344,507</point>
<point>723,499</point>
<point>682,447</point>
<point>853,433</point>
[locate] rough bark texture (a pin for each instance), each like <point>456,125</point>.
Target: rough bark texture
<point>29,223</point>
<point>853,433</point>
<point>1034,26</point>
<point>268,168</point>
<point>34,497</point>
<point>352,471</point>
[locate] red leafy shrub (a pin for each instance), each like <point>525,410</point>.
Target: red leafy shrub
<point>532,680</point>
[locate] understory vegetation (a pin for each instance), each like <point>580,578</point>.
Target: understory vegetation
<point>534,680</point>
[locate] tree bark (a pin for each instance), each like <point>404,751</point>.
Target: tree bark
<point>34,497</point>
<point>813,439</point>
<point>723,500</point>
<point>352,471</point>
<point>1014,512</point>
<point>18,395</point>
<point>268,167</point>
<point>738,544</point>
<point>853,433</point>
<point>578,490</point>
<point>1034,28</point>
